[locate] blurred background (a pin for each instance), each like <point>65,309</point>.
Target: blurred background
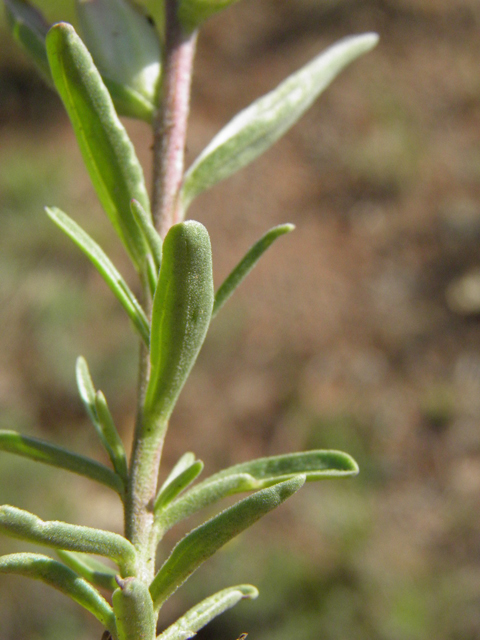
<point>360,331</point>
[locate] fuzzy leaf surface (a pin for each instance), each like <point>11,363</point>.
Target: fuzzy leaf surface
<point>257,474</point>
<point>57,575</point>
<point>182,308</point>
<point>201,614</point>
<point>171,489</point>
<point>201,543</point>
<point>106,148</point>
<point>23,525</point>
<point>260,125</point>
<point>246,264</point>
<point>89,568</point>
<point>41,451</point>
<point>105,267</point>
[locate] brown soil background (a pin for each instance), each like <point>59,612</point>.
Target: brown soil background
<point>343,336</point>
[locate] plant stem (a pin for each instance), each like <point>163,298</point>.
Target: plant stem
<point>170,127</point>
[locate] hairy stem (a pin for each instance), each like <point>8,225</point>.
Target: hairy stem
<point>170,127</point>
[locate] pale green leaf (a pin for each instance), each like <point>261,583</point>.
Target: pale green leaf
<point>105,267</point>
<point>40,451</point>
<point>172,488</point>
<point>181,314</point>
<point>246,264</point>
<point>260,125</point>
<point>57,575</point>
<point>107,150</point>
<point>89,568</point>
<point>257,474</point>
<point>23,525</point>
<point>201,543</point>
<point>201,614</point>
<point>116,449</point>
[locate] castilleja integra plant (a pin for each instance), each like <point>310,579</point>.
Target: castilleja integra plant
<point>124,63</point>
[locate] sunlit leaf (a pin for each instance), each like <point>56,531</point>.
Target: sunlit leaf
<point>255,129</point>
<point>107,150</point>
<point>201,543</point>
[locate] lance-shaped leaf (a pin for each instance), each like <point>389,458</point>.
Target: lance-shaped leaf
<point>192,13</point>
<point>114,442</point>
<point>105,267</point>
<point>124,46</point>
<point>89,568</point>
<point>99,413</point>
<point>253,475</point>
<point>201,543</point>
<point>176,484</point>
<point>181,313</point>
<point>150,234</point>
<point>197,617</point>
<point>57,575</point>
<point>246,264</point>
<point>21,524</point>
<point>29,28</point>
<point>107,150</point>
<point>261,124</point>
<point>41,451</point>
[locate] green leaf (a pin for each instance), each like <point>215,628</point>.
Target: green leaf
<point>172,488</point>
<point>133,609</point>
<point>257,474</point>
<point>123,44</point>
<point>105,267</point>
<point>246,264</point>
<point>192,13</point>
<point>150,234</point>
<point>181,314</point>
<point>89,568</point>
<point>201,543</point>
<point>40,451</point>
<point>29,28</point>
<point>21,524</point>
<point>40,567</point>
<point>261,124</point>
<point>128,102</point>
<point>201,614</point>
<point>114,442</point>
<point>107,151</point>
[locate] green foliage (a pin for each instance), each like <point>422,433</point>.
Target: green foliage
<point>177,307</point>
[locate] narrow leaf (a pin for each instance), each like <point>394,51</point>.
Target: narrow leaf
<point>29,28</point>
<point>41,451</point>
<point>40,567</point>
<point>105,267</point>
<point>181,314</point>
<point>89,568</point>
<point>150,234</point>
<point>201,543</point>
<point>260,125</point>
<point>246,264</point>
<point>172,489</point>
<point>196,618</point>
<point>123,44</point>
<point>107,150</point>
<point>21,524</point>
<point>254,475</point>
<point>192,13</point>
<point>115,445</point>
